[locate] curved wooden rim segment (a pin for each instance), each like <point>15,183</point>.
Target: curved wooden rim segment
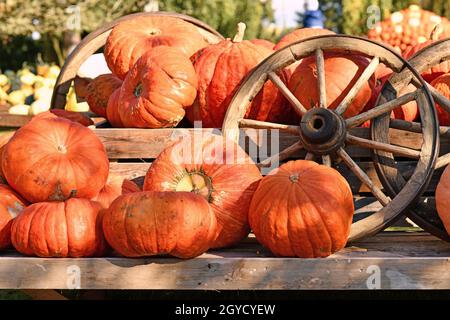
<point>255,80</point>
<point>423,214</point>
<point>97,39</point>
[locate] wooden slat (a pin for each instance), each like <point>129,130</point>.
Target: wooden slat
<point>420,262</point>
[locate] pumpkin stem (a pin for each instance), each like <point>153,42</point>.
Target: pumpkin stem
<point>437,31</point>
<point>196,182</point>
<point>62,149</point>
<point>240,32</point>
<point>138,90</point>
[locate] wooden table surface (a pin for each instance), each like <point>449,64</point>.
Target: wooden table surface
<point>390,260</point>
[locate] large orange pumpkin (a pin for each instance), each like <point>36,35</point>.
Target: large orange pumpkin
<point>99,90</point>
<point>52,159</point>
<point>4,139</point>
<point>115,187</point>
<point>221,68</point>
<point>11,204</point>
<point>60,229</point>
<point>443,198</point>
<point>215,168</point>
<point>112,110</point>
<point>301,34</point>
<point>130,39</point>
<point>302,209</point>
<point>73,116</point>
<point>181,224</point>
<point>341,73</point>
<point>442,84</point>
<point>157,89</point>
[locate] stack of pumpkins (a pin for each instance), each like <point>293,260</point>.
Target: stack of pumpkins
<point>163,70</point>
<point>59,200</point>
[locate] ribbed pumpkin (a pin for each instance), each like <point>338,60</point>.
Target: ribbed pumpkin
<point>181,224</point>
<point>341,73</point>
<point>157,89</point>
<point>112,110</point>
<point>221,68</point>
<point>52,159</point>
<point>215,168</point>
<point>442,84</point>
<point>435,71</point>
<point>302,209</point>
<point>73,116</point>
<point>60,229</point>
<point>115,187</point>
<point>300,34</point>
<point>443,198</point>
<point>130,39</point>
<point>4,139</point>
<point>11,205</point>
<point>99,90</point>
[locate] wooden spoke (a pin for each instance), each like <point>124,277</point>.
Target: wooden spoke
<point>437,96</point>
<point>365,76</point>
<point>379,110</point>
<point>321,78</point>
<point>363,177</point>
<point>416,127</point>
<point>248,123</point>
<point>287,93</point>
<point>286,153</point>
<point>442,161</point>
<point>326,160</point>
<point>370,144</point>
<point>310,156</point>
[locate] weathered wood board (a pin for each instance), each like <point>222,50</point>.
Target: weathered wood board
<point>386,261</point>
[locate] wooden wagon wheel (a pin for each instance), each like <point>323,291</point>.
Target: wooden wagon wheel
<point>324,133</point>
<point>424,214</point>
<point>97,39</point>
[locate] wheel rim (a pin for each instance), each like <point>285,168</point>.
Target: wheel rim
<point>424,214</point>
<point>322,146</point>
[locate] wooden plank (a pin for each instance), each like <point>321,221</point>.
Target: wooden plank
<point>421,263</point>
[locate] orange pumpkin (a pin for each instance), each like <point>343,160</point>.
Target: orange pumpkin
<point>60,229</point>
<point>443,198</point>
<point>263,43</point>
<point>180,224</point>
<point>302,209</point>
<point>52,159</point>
<point>99,90</point>
<point>112,110</point>
<point>341,73</point>
<point>157,89</point>
<point>300,34</point>
<point>115,187</point>
<point>11,205</point>
<point>215,168</point>
<point>221,68</point>
<point>73,116</point>
<point>4,139</point>
<point>130,39</point>
<point>442,84</point>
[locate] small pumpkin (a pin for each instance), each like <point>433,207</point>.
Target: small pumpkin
<point>11,205</point>
<point>181,224</point>
<point>341,73</point>
<point>60,229</point>
<point>99,90</point>
<point>308,213</point>
<point>221,68</point>
<point>442,84</point>
<point>73,116</point>
<point>130,39</point>
<point>215,168</point>
<point>112,110</point>
<point>52,159</point>
<point>157,89</point>
<point>115,187</point>
<point>443,198</point>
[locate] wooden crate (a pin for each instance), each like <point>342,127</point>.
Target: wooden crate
<point>402,260</point>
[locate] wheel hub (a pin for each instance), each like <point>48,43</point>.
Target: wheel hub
<point>322,131</point>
